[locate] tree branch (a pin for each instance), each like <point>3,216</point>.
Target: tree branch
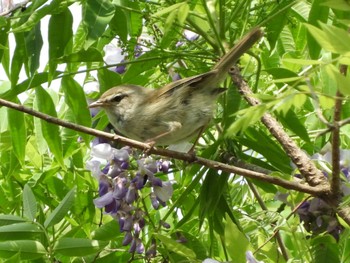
<point>307,168</point>
<point>335,182</point>
<point>12,7</point>
<point>315,191</point>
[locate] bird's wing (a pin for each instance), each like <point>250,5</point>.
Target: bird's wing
<point>190,81</point>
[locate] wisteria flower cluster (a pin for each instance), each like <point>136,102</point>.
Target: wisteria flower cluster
<point>120,186</point>
<point>316,215</point>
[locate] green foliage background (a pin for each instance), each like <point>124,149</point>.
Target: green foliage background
<point>46,193</point>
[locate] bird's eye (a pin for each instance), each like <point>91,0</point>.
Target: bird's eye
<point>117,98</point>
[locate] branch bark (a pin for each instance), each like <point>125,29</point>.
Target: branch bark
<point>307,168</point>
<point>298,186</point>
<point>313,176</point>
<point>335,182</point>
<point>13,7</point>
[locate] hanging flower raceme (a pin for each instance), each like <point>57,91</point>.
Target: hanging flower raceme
<point>316,215</point>
<point>120,183</point>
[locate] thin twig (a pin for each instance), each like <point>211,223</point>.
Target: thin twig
<point>263,207</point>
<point>276,232</point>
<point>319,112</point>
<point>316,191</point>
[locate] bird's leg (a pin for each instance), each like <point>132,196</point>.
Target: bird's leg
<point>200,132</point>
<point>173,126</point>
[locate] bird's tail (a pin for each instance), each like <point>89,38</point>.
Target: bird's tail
<point>242,46</point>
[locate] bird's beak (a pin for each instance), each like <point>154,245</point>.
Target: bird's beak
<point>96,104</point>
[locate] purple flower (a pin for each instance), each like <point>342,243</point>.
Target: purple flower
<point>113,207</point>
<point>121,69</point>
<point>103,151</point>
<point>94,167</point>
<point>139,246</point>
<point>164,166</point>
<point>127,239</point>
<point>114,170</point>
<point>165,224</point>
<point>124,165</point>
<point>152,251</point>
<point>164,192</point>
<point>104,200</point>
<point>190,35</point>
<point>131,194</point>
<point>155,181</point>
<point>121,155</point>
<point>128,223</point>
<point>147,166</point>
<point>154,201</point>
<point>120,187</point>
<point>113,54</point>
<point>132,246</point>
<point>138,181</point>
<point>103,186</point>
<point>250,258</point>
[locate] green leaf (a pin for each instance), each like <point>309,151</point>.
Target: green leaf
<point>32,82</point>
<point>28,249</point>
<point>107,231</point>
<point>29,203</point>
<point>4,28</point>
<point>212,189</point>
<point>18,58</point>
<point>169,9</point>
<point>61,210</point>
<point>10,219</point>
<point>33,43</point>
<point>183,13</point>
<point>75,99</point>
<point>331,38</point>
<point>282,75</point>
<point>168,27</point>
<point>96,16</point>
<point>250,117</point>
<point>317,13</point>
<point>305,62</point>
<point>118,24</point>
<point>60,33</point>
<point>108,79</point>
<point>18,132</point>
<point>236,242</point>
<point>343,82</point>
<point>32,153</point>
<point>276,25</point>
<point>342,5</point>
<point>19,231</point>
<point>149,61</point>
<point>78,247</point>
<point>262,143</point>
<point>13,259</point>
<point>134,20</point>
<point>293,123</point>
<point>50,132</point>
<point>176,247</point>
<point>37,15</point>
<point>90,55</point>
<point>325,249</point>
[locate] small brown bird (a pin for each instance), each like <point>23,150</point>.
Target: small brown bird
<point>177,112</point>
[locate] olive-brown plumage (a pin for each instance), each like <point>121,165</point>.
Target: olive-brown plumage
<point>176,112</point>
